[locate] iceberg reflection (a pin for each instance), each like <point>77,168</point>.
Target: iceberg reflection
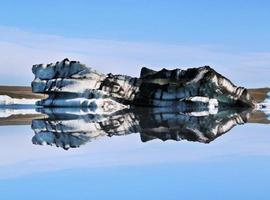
<point>73,127</point>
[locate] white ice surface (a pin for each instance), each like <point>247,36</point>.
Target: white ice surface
<point>6,100</point>
<point>4,112</point>
<point>12,106</point>
<point>265,106</point>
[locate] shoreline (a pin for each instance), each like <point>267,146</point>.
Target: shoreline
<point>20,92</point>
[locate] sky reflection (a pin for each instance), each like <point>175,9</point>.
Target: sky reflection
<point>24,158</point>
<point>124,167</point>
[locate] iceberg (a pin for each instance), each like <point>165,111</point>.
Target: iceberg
<point>72,84</point>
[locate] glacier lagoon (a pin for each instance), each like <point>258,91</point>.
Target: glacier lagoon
<point>48,154</point>
<point>190,152</point>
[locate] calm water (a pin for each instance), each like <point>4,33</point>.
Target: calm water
<point>135,155</point>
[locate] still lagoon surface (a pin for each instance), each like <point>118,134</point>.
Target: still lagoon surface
<point>135,155</point>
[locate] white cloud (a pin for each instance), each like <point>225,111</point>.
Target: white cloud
<point>19,50</point>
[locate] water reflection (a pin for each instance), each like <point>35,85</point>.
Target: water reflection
<point>71,128</point>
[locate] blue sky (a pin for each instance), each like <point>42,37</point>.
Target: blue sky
<point>123,36</point>
<point>238,24</point>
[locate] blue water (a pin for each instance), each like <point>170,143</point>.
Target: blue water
<point>236,165</point>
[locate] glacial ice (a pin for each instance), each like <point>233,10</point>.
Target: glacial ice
<point>70,83</point>
<point>6,101</point>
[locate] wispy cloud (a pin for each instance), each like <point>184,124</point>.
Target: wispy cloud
<point>21,49</point>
